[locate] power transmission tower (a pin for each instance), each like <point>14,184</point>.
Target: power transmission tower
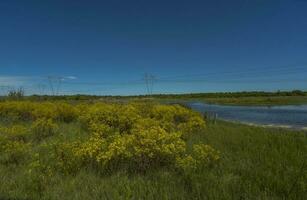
<point>55,84</point>
<point>149,82</point>
<point>41,88</point>
<point>4,90</point>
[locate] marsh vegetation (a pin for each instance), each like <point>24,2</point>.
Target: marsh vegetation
<point>142,150</point>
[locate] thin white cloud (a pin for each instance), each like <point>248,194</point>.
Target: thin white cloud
<point>14,81</point>
<point>71,77</point>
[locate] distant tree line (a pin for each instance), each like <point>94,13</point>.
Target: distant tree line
<point>19,94</point>
<point>231,94</point>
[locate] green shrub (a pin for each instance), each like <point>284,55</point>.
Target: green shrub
<point>66,112</point>
<point>42,128</point>
<point>124,138</point>
<point>14,110</point>
<point>15,132</point>
<point>13,151</point>
<point>136,137</point>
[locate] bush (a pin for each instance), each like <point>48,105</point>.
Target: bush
<point>66,112</point>
<point>27,111</point>
<point>136,137</point>
<point>44,110</point>
<point>194,125</point>
<point>122,137</point>
<point>13,110</point>
<point>205,154</point>
<point>178,118</point>
<point>43,128</point>
<point>56,111</point>
<point>120,117</point>
<point>16,132</point>
<point>202,156</point>
<point>13,151</point>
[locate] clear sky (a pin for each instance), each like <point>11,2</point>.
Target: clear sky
<point>106,47</point>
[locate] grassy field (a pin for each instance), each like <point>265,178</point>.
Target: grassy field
<point>245,101</point>
<point>259,101</point>
<point>255,163</point>
<point>251,98</point>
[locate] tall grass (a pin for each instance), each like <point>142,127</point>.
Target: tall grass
<point>256,163</point>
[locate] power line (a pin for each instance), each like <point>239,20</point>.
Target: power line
<point>246,76</point>
<point>131,82</point>
<point>150,79</point>
<point>240,72</point>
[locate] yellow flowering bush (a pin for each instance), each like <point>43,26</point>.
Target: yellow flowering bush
<point>44,110</point>
<point>15,132</point>
<point>186,163</point>
<point>57,111</point>
<point>143,149</point>
<point>135,136</point>
<point>43,128</point>
<point>115,152</point>
<point>26,110</point>
<point>205,154</point>
<point>176,117</point>
<point>102,130</point>
<point>152,147</point>
<point>67,157</point>
<point>66,112</point>
<point>16,110</point>
<point>202,155</point>
<point>155,146</point>
<point>13,151</point>
<point>120,117</point>
<point>146,145</point>
<point>193,125</point>
<point>13,145</point>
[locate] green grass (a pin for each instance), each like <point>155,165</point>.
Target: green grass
<point>259,101</point>
<point>246,101</point>
<point>256,163</point>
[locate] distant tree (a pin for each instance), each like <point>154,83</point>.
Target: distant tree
<point>298,93</point>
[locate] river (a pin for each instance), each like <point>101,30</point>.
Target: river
<point>284,116</point>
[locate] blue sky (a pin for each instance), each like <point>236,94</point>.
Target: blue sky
<point>106,47</point>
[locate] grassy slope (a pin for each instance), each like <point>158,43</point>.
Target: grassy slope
<point>256,163</point>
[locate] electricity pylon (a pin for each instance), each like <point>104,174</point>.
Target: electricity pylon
<point>41,88</point>
<point>55,84</point>
<point>149,82</point>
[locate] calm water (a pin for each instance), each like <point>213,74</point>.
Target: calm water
<point>292,116</point>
